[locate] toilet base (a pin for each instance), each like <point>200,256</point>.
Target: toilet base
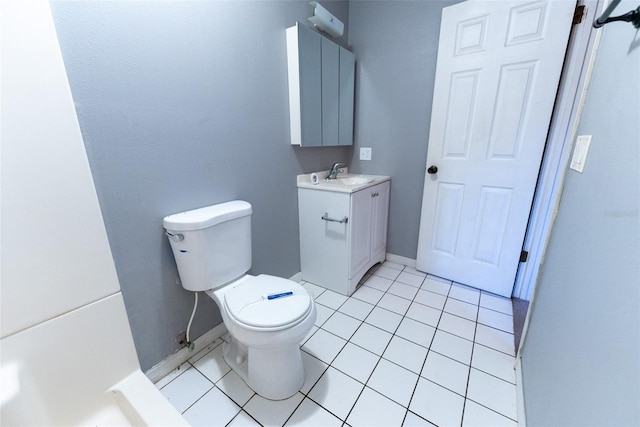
<point>275,374</point>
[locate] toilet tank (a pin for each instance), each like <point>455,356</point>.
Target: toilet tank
<point>211,245</point>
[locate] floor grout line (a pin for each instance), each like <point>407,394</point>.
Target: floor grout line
<point>393,305</point>
<point>466,391</point>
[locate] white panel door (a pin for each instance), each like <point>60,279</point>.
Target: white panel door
<point>498,69</point>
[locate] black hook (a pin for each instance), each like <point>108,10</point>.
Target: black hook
<point>632,16</point>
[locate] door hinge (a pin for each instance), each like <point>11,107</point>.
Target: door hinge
<point>523,256</point>
<point>578,14</point>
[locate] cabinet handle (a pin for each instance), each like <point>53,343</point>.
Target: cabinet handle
<point>325,217</point>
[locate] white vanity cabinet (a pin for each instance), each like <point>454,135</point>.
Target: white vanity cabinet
<point>342,234</point>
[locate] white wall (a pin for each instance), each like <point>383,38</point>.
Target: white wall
<point>55,253</point>
<point>65,333</point>
<point>184,104</point>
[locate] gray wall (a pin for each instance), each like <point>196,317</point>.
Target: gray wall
<point>581,357</point>
<point>396,46</point>
<point>183,105</point>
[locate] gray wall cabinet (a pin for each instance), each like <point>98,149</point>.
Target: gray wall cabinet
<point>321,89</point>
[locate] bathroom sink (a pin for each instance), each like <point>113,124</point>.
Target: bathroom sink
<point>351,180</point>
<point>343,183</point>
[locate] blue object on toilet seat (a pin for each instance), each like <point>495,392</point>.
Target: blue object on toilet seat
<point>280,295</point>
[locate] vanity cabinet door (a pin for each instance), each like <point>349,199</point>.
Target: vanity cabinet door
<point>369,213</point>
<point>324,244</point>
<point>379,218</point>
<point>361,217</point>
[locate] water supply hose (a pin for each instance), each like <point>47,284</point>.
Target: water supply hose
<point>191,345</point>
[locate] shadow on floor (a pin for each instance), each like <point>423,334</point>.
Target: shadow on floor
<point>520,308</point>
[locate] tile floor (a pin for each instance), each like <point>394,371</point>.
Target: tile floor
<point>406,349</point>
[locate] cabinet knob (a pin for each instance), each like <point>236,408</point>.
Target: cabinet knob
<point>432,169</point>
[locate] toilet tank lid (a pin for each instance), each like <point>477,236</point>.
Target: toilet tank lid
<point>198,219</point>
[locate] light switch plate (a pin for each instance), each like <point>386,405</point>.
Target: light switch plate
<point>580,153</point>
<point>365,153</point>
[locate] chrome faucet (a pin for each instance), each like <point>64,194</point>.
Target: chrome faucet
<point>335,170</point>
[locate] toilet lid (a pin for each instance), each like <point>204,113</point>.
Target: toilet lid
<point>267,301</point>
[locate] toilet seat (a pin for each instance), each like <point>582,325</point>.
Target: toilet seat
<point>267,303</point>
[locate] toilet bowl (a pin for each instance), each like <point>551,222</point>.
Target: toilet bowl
<point>267,317</point>
<point>264,348</point>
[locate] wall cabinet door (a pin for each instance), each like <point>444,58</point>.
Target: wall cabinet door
<point>307,99</point>
<point>321,89</point>
<point>347,94</point>
<point>330,92</point>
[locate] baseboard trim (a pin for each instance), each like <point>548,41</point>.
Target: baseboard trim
<point>296,277</point>
<point>171,362</point>
<point>409,262</point>
<point>522,417</point>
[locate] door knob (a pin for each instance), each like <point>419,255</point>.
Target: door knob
<point>432,169</point>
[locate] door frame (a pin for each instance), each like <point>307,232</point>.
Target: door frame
<point>574,80</point>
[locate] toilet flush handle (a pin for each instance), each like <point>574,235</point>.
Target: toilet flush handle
<point>177,237</point>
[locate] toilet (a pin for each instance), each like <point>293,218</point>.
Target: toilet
<point>267,317</point>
